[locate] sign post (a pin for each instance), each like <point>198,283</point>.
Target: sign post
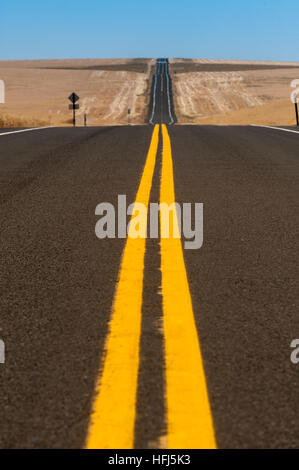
<point>296,108</point>
<point>73,99</point>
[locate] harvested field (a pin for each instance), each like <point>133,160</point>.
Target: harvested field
<point>205,91</point>
<point>234,92</point>
<point>37,91</point>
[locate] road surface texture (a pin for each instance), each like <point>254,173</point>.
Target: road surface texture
<point>123,343</point>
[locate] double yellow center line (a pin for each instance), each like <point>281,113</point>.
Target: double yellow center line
<point>189,417</point>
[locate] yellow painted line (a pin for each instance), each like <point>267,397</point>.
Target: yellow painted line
<point>113,417</point>
<point>189,418</point>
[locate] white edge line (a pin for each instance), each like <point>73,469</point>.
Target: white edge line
<point>27,130</point>
<point>169,105</point>
<point>154,100</point>
<point>277,128</point>
<point>168,93</point>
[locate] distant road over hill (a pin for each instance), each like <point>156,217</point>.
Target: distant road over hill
<point>161,110</point>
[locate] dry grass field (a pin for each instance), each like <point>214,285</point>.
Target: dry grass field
<point>233,92</point>
<point>37,91</point>
<point>205,91</point>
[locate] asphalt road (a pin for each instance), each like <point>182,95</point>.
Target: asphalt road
<point>139,343</point>
<point>244,281</point>
<point>58,281</point>
<point>161,107</point>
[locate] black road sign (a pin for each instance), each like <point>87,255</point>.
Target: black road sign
<point>74,98</point>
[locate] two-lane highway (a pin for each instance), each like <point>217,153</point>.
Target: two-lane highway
<point>161,109</point>
<point>125,342</point>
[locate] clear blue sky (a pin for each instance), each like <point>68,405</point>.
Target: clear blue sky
<point>229,29</point>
